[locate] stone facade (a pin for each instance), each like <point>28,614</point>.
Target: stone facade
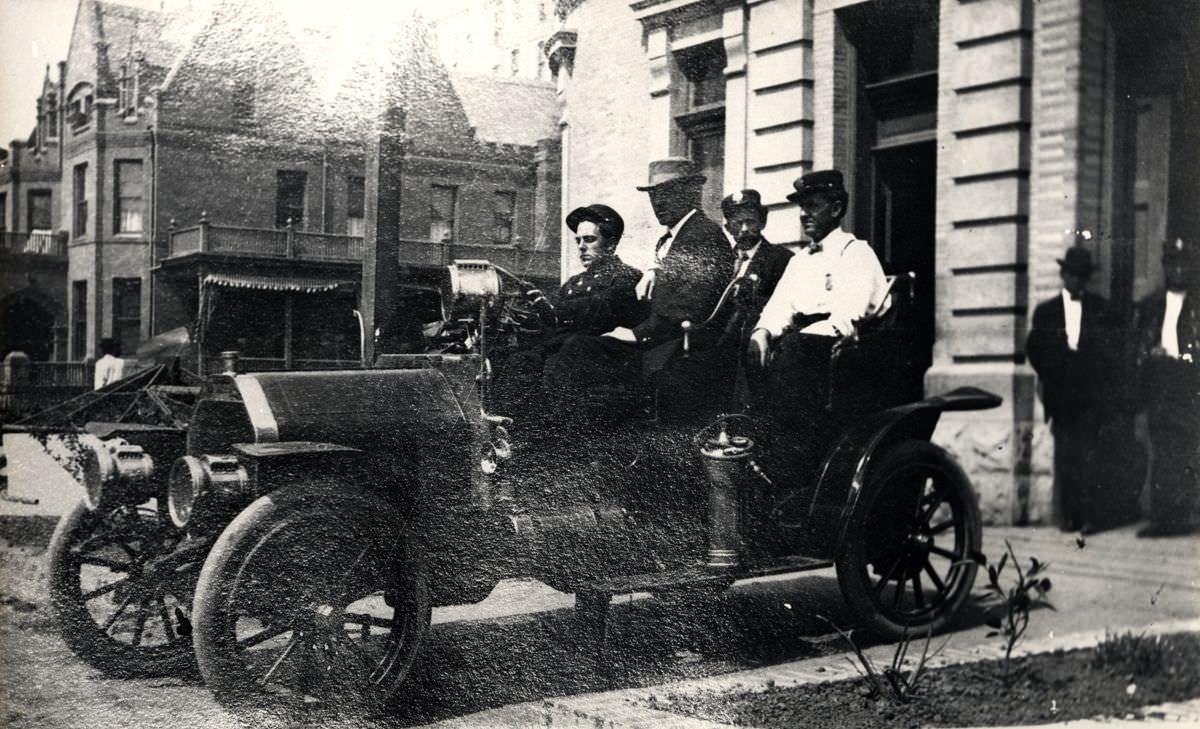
<point>1033,128</point>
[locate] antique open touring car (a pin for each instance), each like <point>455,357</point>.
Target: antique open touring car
<point>291,531</point>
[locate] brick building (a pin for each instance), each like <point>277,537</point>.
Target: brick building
<point>214,174</point>
<point>977,136</point>
<point>33,256</point>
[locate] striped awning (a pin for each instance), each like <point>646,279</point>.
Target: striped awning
<point>300,284</point>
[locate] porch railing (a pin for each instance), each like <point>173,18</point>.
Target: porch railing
<point>37,243</point>
<point>27,386</point>
<point>289,243</point>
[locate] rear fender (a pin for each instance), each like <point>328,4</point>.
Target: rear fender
<point>845,470</point>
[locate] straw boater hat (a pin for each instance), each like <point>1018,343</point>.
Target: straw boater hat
<point>672,171</point>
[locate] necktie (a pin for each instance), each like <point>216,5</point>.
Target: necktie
<point>661,242</point>
<point>742,257</point>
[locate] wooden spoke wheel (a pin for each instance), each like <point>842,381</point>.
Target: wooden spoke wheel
<point>121,589</point>
<point>307,598</point>
<point>905,567</point>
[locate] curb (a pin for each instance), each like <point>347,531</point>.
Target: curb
<point>625,708</point>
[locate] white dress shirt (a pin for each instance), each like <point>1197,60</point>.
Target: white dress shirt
<point>1073,318</point>
<point>843,279</point>
<point>1170,327</point>
<point>109,369</point>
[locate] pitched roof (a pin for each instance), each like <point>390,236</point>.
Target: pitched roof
<point>508,111</point>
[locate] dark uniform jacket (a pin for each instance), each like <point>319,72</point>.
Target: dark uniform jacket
<point>692,276</point>
<point>599,299</point>
<point>768,264</point>
<point>1071,381</point>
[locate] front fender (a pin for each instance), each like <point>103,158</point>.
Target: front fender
<point>844,472</point>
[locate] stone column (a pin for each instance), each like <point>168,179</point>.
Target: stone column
<point>982,263</point>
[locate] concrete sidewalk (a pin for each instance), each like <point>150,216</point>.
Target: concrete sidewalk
<point>1111,582</point>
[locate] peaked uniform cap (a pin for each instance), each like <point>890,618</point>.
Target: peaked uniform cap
<point>827,181</point>
<point>745,199</point>
<point>672,170</point>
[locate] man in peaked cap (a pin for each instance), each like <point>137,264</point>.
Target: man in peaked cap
<point>833,283</point>
<point>591,302</point>
<point>759,265</point>
<point>692,265</point>
<point>1072,349</point>
<point>1168,328</point>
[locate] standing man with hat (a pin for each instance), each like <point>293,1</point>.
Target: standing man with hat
<point>1070,346</point>
<point>1168,327</point>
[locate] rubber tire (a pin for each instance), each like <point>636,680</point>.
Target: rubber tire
<point>220,668</point>
<point>852,567</point>
<point>78,628</point>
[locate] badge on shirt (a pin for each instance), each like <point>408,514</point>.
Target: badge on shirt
<point>829,282</point>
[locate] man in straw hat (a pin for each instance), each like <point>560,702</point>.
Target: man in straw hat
<point>1071,349</point>
<point>1168,326</point>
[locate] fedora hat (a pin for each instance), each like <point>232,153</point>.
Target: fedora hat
<point>1078,261</point>
<point>826,181</point>
<point>672,170</point>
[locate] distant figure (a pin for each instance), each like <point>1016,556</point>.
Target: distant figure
<point>1168,328</point>
<point>1071,351</point>
<point>110,367</point>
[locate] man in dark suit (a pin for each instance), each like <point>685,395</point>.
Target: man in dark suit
<point>1071,348</point>
<point>759,265</point>
<point>1168,328</point>
<point>693,264</point>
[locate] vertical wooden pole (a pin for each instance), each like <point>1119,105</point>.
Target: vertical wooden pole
<point>381,233</point>
<point>288,300</point>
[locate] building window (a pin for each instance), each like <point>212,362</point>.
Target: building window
<point>701,91</point>
<point>356,201</point>
<point>39,210</point>
<point>3,212</point>
<point>503,206</point>
<point>127,90</point>
<point>79,197</point>
<point>127,313</point>
<point>129,209</point>
<point>289,197</point>
<point>443,200</point>
<point>79,310</point>
<point>79,106</point>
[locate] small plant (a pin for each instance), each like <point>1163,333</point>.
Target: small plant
<point>1139,655</point>
<point>893,681</point>
<point>1028,591</point>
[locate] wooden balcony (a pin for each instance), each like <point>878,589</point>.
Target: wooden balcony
<point>290,244</point>
<point>41,243</point>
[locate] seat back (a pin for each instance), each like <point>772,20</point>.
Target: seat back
<point>877,368</point>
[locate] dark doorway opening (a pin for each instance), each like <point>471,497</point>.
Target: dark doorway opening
<point>902,227</point>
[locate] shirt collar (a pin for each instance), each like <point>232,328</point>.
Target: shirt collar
<point>674,231</point>
<point>1067,300</point>
<point>831,240</point>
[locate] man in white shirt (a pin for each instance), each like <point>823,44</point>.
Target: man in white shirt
<point>832,284</point>
<point>1072,347</point>
<point>1168,325</point>
<point>109,368</point>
